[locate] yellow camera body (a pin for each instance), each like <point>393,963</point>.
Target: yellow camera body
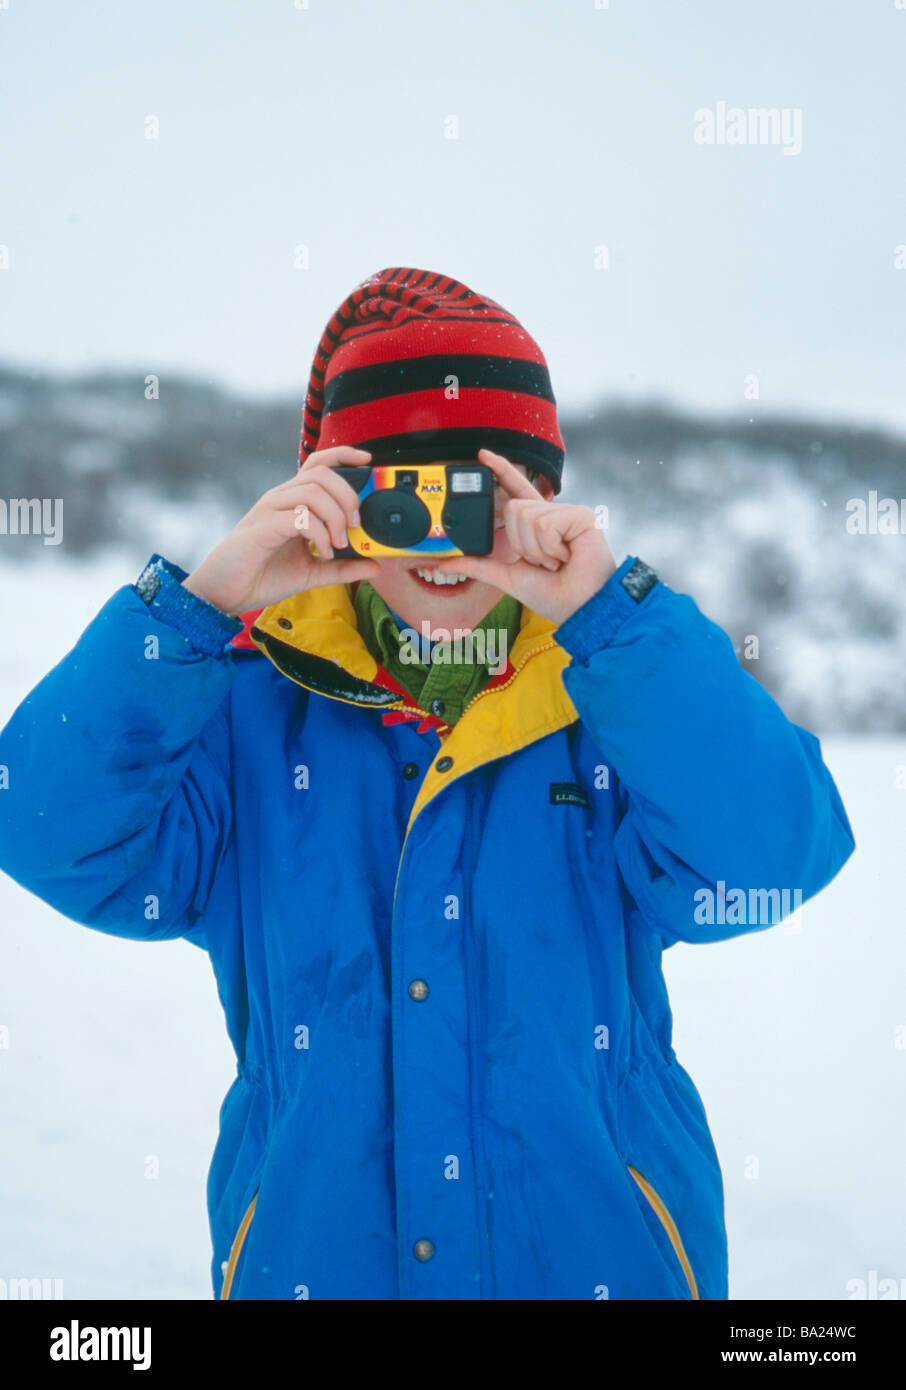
<point>431,509</point>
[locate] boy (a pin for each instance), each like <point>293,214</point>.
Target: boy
<point>435,897</point>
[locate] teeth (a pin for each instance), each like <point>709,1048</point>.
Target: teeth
<point>435,577</point>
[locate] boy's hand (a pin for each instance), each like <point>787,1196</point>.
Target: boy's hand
<point>550,556</point>
<point>266,557</point>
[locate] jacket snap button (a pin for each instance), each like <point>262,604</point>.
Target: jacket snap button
<point>419,989</point>
<point>424,1249</point>
<point>410,771</point>
<point>444,764</point>
<point>284,622</point>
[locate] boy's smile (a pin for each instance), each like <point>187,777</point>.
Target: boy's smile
<point>404,586</point>
<point>434,578</point>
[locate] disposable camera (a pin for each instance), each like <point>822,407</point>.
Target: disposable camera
<point>436,509</point>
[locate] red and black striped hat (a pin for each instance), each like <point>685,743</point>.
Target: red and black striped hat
<point>415,366</point>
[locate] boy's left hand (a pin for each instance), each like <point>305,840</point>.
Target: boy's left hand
<point>551,556</point>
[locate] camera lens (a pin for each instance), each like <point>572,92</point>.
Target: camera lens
<point>394,517</point>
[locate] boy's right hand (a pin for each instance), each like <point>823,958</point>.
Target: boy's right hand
<point>267,557</point>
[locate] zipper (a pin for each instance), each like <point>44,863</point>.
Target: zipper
<point>669,1226</point>
<point>229,1268</point>
<point>516,669</point>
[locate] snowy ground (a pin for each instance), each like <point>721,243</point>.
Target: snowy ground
<point>118,1055</point>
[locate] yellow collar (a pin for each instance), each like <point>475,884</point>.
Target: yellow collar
<point>313,639</point>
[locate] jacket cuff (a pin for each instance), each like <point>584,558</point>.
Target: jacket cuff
<point>599,619</point>
<point>208,629</point>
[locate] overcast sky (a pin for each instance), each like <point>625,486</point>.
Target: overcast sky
<point>282,126</point>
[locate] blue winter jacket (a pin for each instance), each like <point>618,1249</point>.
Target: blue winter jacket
<point>439,960</point>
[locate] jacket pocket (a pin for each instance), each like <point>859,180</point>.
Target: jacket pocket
<point>669,1226</point>
<point>236,1248</point>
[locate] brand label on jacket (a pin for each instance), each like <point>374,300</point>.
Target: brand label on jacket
<point>569,794</point>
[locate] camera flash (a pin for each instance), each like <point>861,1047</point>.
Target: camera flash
<point>465,482</point>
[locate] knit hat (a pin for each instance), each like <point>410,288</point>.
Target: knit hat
<point>415,366</point>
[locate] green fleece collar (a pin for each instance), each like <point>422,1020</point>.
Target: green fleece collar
<point>455,674</point>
